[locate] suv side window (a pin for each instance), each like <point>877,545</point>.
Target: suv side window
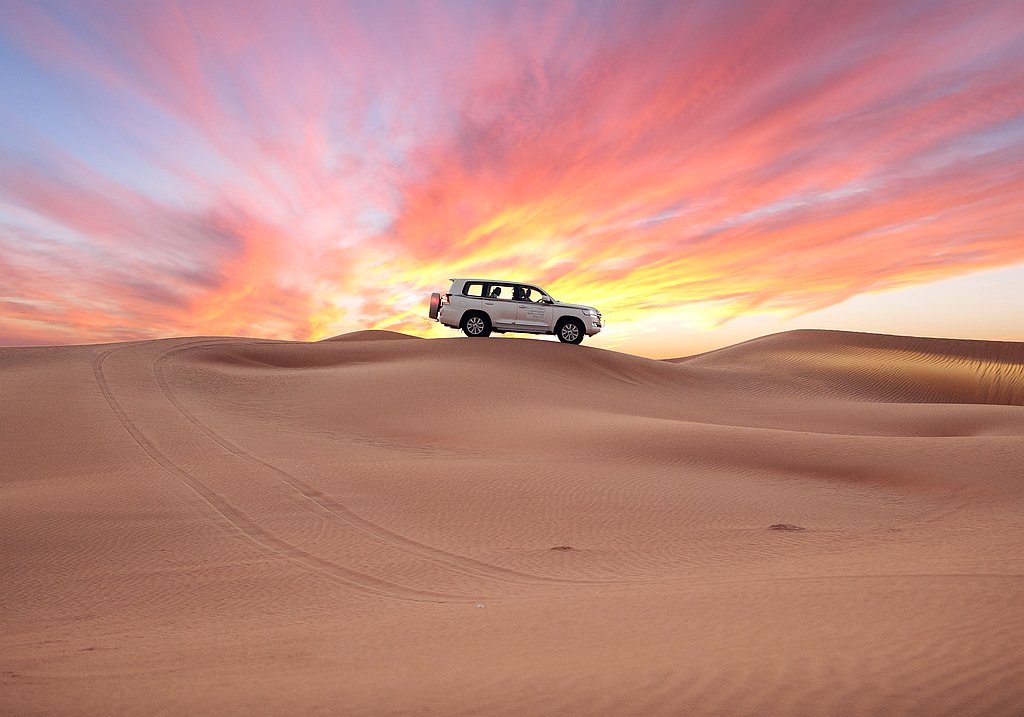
<point>527,293</point>
<point>475,289</point>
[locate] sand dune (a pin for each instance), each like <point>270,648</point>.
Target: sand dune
<point>874,367</point>
<point>371,525</point>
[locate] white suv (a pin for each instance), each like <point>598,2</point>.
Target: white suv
<point>480,306</point>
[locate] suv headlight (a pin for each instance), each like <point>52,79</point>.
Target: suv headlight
<point>590,312</point>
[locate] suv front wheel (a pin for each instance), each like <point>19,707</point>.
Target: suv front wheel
<point>570,331</point>
<point>476,324</point>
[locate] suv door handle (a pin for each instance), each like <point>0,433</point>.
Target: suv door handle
<point>488,303</point>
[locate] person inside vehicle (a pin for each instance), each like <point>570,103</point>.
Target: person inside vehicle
<point>496,292</point>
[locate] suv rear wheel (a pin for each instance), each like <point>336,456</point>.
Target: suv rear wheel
<point>570,331</point>
<point>476,324</point>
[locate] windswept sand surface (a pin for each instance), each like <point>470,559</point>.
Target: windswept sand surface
<point>384,525</point>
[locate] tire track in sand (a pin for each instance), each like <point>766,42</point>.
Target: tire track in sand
<point>451,561</point>
<point>247,526</point>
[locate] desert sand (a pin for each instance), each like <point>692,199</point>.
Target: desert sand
<point>808,523</point>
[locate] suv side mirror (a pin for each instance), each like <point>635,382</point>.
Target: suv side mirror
<point>547,300</point>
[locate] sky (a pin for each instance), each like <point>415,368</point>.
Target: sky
<point>702,172</point>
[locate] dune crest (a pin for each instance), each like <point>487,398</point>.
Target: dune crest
<point>881,367</point>
<point>371,335</point>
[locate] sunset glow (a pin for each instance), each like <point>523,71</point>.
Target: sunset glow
<point>300,170</point>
